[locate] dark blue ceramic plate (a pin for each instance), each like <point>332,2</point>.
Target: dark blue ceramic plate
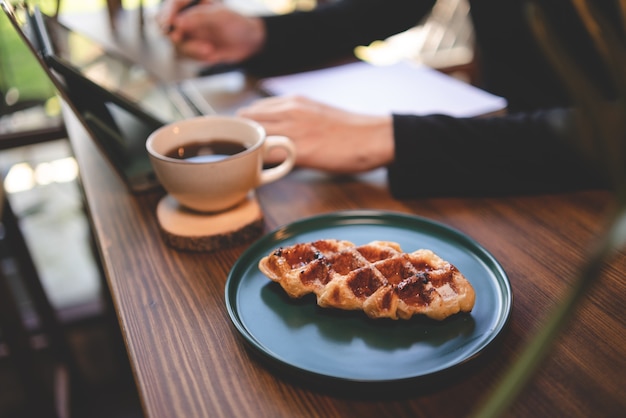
<point>348,346</point>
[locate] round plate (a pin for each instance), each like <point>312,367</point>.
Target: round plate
<point>347,345</point>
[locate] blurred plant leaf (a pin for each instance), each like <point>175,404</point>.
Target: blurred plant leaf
<point>601,123</point>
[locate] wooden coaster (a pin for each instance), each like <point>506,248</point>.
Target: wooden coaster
<point>193,231</point>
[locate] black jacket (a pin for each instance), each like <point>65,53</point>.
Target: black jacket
<point>526,151</point>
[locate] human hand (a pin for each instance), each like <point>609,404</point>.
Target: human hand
<point>211,32</point>
<point>170,8</point>
<point>326,138</point>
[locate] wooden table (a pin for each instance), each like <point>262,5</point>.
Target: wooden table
<point>189,360</point>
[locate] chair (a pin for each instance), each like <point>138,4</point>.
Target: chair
<point>46,385</point>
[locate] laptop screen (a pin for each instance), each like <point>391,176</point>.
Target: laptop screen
<point>116,101</point>
<point>110,71</point>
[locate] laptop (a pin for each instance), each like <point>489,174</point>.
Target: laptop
<point>119,102</point>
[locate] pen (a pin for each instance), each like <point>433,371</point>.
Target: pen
<point>182,9</point>
<point>190,4</point>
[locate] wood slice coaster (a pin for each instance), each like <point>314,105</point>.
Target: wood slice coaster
<point>184,229</point>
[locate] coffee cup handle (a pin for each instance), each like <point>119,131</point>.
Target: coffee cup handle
<point>269,175</point>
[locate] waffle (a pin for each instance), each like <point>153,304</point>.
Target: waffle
<point>378,278</point>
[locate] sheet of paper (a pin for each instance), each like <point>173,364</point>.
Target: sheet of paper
<point>404,88</point>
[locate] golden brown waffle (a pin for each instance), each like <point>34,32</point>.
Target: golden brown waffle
<point>377,278</point>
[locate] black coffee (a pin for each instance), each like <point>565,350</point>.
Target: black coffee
<point>198,151</point>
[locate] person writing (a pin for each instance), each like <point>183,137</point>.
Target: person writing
<point>526,151</point>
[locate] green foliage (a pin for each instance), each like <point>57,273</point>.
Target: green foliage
<point>18,68</point>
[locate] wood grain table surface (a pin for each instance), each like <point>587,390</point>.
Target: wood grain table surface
<point>190,361</point>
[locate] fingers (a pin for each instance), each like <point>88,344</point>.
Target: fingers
<point>272,113</point>
<point>227,35</point>
<point>264,109</point>
<point>170,11</point>
<point>188,23</point>
<point>326,137</point>
<point>199,50</point>
<point>191,33</point>
<point>274,108</point>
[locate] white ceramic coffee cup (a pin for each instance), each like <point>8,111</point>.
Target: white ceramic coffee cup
<point>217,185</point>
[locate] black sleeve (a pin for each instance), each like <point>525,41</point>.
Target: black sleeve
<point>302,40</point>
<point>520,153</point>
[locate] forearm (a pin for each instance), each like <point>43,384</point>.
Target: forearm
<point>304,39</point>
<point>523,153</point>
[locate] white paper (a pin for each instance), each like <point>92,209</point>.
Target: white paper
<point>403,88</point>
